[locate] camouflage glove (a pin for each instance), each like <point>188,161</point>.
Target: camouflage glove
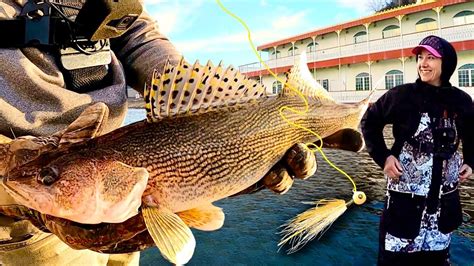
<point>298,162</point>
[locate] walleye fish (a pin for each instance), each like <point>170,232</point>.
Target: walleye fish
<point>210,133</point>
<point>124,237</point>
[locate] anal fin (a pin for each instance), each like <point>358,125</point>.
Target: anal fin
<point>172,236</point>
<point>89,124</point>
<point>206,218</point>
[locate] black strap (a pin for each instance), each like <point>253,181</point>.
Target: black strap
<point>432,200</point>
<point>12,33</point>
<point>439,156</point>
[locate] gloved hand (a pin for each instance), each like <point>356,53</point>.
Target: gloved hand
<point>298,162</point>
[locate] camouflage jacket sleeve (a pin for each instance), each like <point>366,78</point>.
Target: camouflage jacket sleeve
<point>143,48</point>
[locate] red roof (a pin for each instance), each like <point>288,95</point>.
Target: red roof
<point>373,18</point>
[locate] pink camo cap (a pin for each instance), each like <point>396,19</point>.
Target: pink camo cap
<point>417,50</point>
<point>432,44</point>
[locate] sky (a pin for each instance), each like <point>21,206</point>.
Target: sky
<point>202,31</point>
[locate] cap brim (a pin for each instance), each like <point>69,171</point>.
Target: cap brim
<point>417,50</point>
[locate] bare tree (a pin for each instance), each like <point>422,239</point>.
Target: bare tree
<point>381,5</point>
<point>377,5</point>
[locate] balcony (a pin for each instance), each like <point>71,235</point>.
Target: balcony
<point>452,34</point>
<point>356,96</point>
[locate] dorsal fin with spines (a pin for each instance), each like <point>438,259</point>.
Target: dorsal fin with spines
<point>183,90</point>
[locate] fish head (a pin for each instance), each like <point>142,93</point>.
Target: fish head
<point>79,188</point>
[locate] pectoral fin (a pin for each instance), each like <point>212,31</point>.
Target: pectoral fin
<point>172,236</point>
<point>345,139</point>
<point>206,218</point>
<point>88,125</point>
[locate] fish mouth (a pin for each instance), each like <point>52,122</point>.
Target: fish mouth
<point>24,197</point>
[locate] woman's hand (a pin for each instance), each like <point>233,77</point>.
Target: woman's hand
<point>392,168</point>
<point>465,172</point>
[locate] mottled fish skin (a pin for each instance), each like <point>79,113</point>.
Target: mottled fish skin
<point>203,158</point>
<point>24,149</point>
<point>4,154</point>
<point>197,159</point>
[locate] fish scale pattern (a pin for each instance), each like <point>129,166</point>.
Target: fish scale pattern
<point>201,158</point>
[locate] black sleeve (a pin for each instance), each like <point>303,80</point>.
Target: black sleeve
<point>374,120</point>
<point>467,134</point>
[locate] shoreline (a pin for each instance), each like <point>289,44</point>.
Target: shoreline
<point>136,103</point>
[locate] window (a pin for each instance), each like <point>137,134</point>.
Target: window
<point>275,55</point>
<point>311,47</point>
<point>466,75</point>
<point>391,31</point>
<point>426,24</point>
<point>276,87</point>
<point>324,83</point>
<point>363,82</point>
<point>361,36</point>
<point>293,51</point>
<point>393,78</point>
<point>464,17</point>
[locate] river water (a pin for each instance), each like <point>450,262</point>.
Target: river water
<point>250,232</point>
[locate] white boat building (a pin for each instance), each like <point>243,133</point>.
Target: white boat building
<point>351,58</point>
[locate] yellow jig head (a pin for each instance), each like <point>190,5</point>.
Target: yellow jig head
<point>359,197</point>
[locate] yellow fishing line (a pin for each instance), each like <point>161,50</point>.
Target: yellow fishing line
<point>299,93</point>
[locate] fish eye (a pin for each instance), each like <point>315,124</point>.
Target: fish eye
<point>48,175</point>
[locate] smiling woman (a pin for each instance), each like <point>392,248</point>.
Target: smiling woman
<point>430,118</point>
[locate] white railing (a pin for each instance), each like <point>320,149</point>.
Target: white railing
<point>325,53</point>
<point>356,96</point>
<point>352,49</point>
<point>452,34</point>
